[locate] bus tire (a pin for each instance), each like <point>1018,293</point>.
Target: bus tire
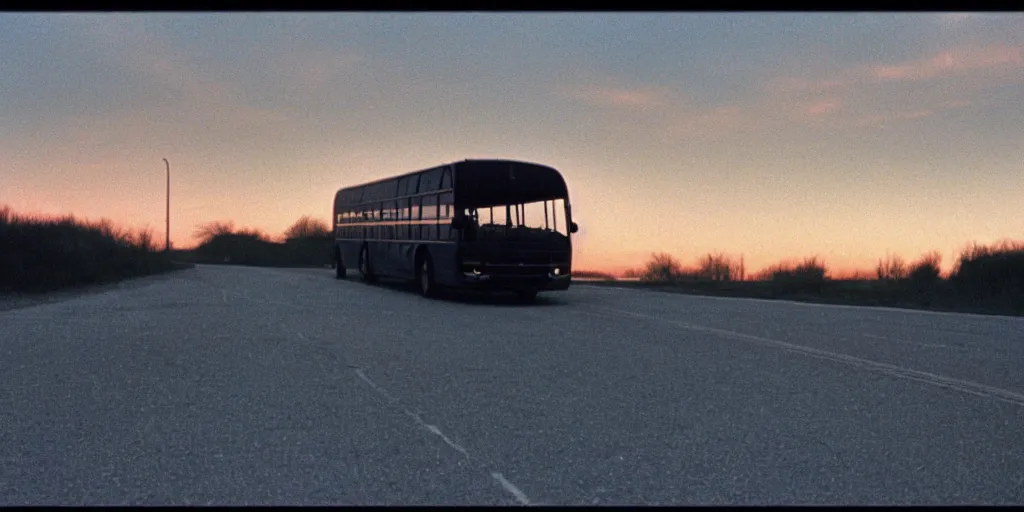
<point>339,266</point>
<point>425,276</point>
<point>365,266</point>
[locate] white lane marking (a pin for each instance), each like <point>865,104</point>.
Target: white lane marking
<point>416,417</point>
<point>436,431</point>
<point>519,495</point>
<point>877,337</point>
<point>965,386</point>
<point>510,487</point>
<point>881,309</point>
<point>224,295</point>
<point>375,387</point>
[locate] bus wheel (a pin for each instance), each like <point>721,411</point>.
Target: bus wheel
<point>527,296</point>
<point>364,265</point>
<point>426,277</point>
<point>339,267</point>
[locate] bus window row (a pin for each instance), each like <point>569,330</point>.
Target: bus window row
<point>411,209</point>
<point>441,232</point>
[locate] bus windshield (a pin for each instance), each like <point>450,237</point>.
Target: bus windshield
<point>539,217</point>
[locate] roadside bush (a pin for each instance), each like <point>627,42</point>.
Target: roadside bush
<point>891,269</point>
<point>662,268</point>
<point>41,254</point>
<point>720,268</point>
<point>994,273</point>
<point>306,243</point>
<point>808,276</point>
<point>926,273</point>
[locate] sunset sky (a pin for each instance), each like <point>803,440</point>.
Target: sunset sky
<point>774,136</point>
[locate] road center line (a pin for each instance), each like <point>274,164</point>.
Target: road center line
<point>508,486</point>
<point>965,386</point>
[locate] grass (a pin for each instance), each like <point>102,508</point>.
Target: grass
<point>43,254</point>
<point>985,279</point>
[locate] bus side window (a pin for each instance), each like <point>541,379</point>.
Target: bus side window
<point>444,228</point>
<point>403,216</point>
<point>430,180</point>
<point>412,185</point>
<point>446,179</point>
<point>429,212</point>
<point>392,227</point>
<point>415,227</point>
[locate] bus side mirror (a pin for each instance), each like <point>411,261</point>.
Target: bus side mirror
<point>573,228</point>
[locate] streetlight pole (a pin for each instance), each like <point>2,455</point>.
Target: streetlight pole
<point>167,246</point>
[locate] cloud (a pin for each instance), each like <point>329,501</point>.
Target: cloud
<point>951,79</point>
<point>952,61</point>
<point>822,107</point>
<point>957,60</point>
<point>640,97</point>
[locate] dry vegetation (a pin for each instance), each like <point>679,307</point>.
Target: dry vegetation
<point>306,243</point>
<point>41,254</point>
<point>986,279</point>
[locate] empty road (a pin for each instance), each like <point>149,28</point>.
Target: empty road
<point>233,385</point>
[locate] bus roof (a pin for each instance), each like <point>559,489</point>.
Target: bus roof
<point>489,181</point>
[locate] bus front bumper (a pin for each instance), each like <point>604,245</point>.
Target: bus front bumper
<point>539,282</point>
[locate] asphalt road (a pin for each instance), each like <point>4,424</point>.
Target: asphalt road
<point>233,385</point>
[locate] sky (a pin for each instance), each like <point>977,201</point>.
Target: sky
<point>774,136</point>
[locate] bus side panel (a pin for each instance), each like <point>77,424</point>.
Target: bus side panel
<point>349,253</point>
<point>397,265</point>
<point>405,253</point>
<point>446,264</point>
<point>379,257</point>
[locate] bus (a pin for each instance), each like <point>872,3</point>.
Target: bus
<point>497,225</point>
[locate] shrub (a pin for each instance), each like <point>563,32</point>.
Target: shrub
<point>720,268</point>
<point>807,276</point>
<point>662,268</point>
<point>926,272</point>
<point>42,254</point>
<point>891,269</point>
<point>992,273</point>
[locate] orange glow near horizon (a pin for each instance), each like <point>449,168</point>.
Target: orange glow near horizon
<point>586,256</point>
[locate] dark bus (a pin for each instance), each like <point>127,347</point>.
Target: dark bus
<point>499,225</point>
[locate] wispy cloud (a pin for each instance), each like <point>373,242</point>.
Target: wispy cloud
<point>867,89</point>
<point>624,97</point>
<point>952,61</point>
<point>823,107</point>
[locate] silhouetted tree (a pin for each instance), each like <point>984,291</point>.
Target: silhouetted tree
<point>211,230</point>
<point>926,271</point>
<point>307,227</point>
<point>892,268</point>
<point>662,268</point>
<point>716,267</point>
